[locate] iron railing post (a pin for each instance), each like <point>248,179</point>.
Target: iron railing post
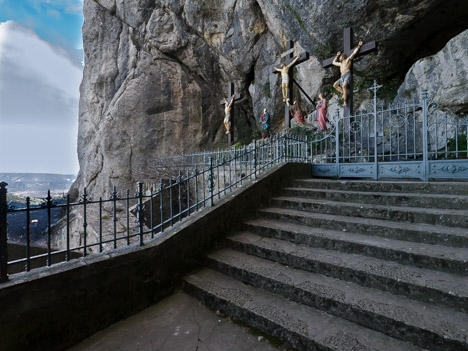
<point>127,210</point>
<point>374,88</point>
<point>100,223</point>
<point>425,176</point>
<point>3,233</point>
<point>49,228</point>
<point>211,182</point>
<point>85,223</point>
<point>284,146</point>
<point>376,174</point>
<point>114,197</point>
<point>140,212</point>
<point>28,234</point>
<point>179,195</point>
<point>67,253</point>
<point>161,203</point>
<point>337,142</point>
<point>255,158</point>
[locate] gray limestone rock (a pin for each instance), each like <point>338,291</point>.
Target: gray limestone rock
<point>155,71</point>
<point>444,75</point>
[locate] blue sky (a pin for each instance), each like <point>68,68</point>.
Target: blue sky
<point>40,73</point>
<point>57,21</point>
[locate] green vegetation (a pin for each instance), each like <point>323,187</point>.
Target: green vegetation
<point>388,91</point>
<point>312,134</point>
<point>256,134</point>
<point>326,50</point>
<point>267,90</point>
<point>461,143</point>
<point>298,18</point>
<point>19,201</point>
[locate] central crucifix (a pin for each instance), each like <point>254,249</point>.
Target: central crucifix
<point>350,53</point>
<point>292,61</point>
<point>229,116</point>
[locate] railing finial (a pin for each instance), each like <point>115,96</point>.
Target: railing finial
<point>424,94</point>
<point>374,88</point>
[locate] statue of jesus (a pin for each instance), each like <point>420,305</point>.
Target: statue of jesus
<point>227,114</point>
<point>345,67</point>
<point>285,78</point>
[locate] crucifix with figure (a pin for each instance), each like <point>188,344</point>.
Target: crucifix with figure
<point>228,115</point>
<point>286,69</point>
<point>344,61</point>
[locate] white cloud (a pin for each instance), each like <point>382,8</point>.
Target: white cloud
<point>54,13</point>
<point>39,90</point>
<point>69,6</point>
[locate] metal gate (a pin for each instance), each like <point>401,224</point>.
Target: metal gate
<point>402,140</point>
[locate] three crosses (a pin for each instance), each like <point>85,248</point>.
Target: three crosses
<point>289,55</point>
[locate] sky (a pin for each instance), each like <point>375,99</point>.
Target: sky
<point>41,55</point>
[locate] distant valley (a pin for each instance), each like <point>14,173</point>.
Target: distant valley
<point>35,185</point>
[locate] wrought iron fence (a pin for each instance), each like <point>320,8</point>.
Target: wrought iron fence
<point>92,226</point>
<point>402,140</point>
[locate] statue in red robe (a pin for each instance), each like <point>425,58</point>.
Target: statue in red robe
<point>322,113</point>
<point>296,112</point>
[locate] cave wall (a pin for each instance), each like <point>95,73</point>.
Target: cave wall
<point>155,71</point>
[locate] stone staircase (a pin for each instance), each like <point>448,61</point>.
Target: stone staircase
<point>349,265</point>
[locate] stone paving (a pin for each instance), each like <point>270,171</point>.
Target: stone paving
<point>177,323</point>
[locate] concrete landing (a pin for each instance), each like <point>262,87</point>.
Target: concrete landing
<point>177,323</point>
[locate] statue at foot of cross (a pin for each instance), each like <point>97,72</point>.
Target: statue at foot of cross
<point>344,63</point>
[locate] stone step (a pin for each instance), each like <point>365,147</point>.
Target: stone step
<point>423,324</point>
<point>420,284</point>
<point>395,186</point>
<point>303,327</point>
<point>415,232</point>
<point>453,218</point>
<point>443,201</point>
<point>443,258</point>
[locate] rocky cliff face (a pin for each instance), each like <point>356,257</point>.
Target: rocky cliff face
<point>155,71</point>
<point>444,75</point>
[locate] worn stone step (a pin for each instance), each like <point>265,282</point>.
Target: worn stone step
<point>303,327</point>
<point>456,202</point>
<point>443,258</point>
<point>453,218</point>
<point>423,324</point>
<point>420,284</point>
<point>395,186</point>
<point>416,232</point>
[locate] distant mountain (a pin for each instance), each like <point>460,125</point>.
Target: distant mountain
<point>37,184</point>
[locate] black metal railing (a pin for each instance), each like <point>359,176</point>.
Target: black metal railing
<point>90,226</point>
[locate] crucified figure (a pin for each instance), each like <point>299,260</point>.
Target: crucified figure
<point>227,113</point>
<point>345,67</point>
<point>285,78</point>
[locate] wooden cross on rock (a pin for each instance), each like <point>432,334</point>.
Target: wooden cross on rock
<point>223,102</point>
<point>289,54</point>
<point>348,50</point>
